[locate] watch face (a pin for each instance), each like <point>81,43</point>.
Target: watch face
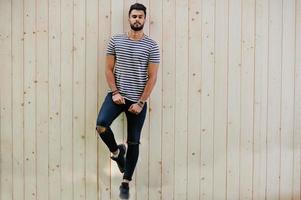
<point>140,103</point>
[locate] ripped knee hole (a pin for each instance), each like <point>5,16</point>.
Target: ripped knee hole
<point>101,129</point>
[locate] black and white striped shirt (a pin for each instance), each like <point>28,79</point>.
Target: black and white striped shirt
<point>132,59</point>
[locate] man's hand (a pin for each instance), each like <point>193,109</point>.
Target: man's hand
<point>135,108</point>
<point>118,99</point>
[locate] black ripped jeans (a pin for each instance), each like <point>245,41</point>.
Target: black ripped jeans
<point>109,111</point>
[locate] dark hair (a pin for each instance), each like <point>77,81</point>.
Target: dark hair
<point>137,6</point>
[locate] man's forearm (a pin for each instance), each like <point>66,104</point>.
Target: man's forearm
<point>148,88</point>
<point>111,80</point>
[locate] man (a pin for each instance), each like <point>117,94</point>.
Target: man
<point>131,71</point>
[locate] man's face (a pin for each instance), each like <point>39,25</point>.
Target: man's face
<point>136,20</point>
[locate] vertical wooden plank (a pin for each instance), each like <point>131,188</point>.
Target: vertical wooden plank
<point>54,100</point>
<point>194,99</point>
<point>297,105</point>
<point>0,136</point>
<point>247,96</point>
<point>91,98</point>
<point>30,100</point>
<point>117,13</point>
<point>118,127</point>
<point>79,81</point>
<point>234,100</point>
<point>104,26</point>
<point>274,99</point>
<point>155,107</point>
<point>260,98</point>
<point>18,101</point>
<point>42,99</point>
<point>67,50</point>
<point>6,134</point>
<point>220,100</point>
<point>207,100</point>
<point>181,100</point>
<point>168,112</point>
<point>287,100</point>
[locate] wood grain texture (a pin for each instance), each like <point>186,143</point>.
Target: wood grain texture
<point>223,121</point>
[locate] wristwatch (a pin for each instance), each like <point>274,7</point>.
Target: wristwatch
<point>141,103</point>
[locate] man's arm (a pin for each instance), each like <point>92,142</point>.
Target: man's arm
<point>109,71</point>
<point>152,78</point>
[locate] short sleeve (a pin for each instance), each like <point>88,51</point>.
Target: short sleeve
<point>154,54</point>
<point>111,47</point>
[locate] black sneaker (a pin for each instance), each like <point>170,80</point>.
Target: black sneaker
<point>120,160</point>
<point>124,191</point>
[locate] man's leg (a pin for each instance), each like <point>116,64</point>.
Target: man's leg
<point>134,124</point>
<point>108,113</point>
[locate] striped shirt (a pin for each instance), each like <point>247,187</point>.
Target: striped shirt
<point>131,62</point>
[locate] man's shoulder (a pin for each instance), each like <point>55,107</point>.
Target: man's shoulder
<point>150,40</point>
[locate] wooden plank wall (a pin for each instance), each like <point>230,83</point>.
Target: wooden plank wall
<point>224,120</point>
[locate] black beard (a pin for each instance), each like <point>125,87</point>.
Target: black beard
<point>136,28</point>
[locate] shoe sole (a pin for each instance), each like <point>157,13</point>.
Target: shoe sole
<point>124,196</point>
